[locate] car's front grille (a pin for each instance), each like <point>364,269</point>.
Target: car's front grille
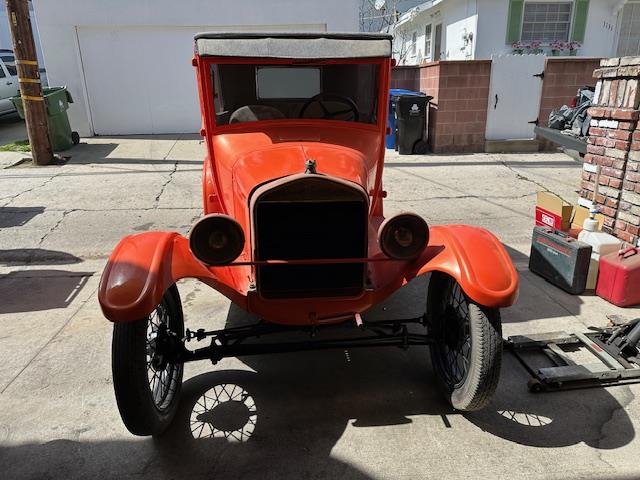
<point>310,218</point>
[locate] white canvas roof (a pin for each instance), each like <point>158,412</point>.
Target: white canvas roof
<point>294,45</point>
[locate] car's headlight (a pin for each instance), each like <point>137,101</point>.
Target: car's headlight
<point>216,239</point>
<point>403,236</point>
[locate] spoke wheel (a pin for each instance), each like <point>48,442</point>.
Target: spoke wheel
<point>468,350</point>
<point>147,386</point>
<point>163,376</point>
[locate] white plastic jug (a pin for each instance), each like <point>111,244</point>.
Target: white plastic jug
<point>601,243</point>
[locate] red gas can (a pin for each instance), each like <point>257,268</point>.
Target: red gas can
<point>619,278</point>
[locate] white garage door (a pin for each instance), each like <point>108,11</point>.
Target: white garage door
<point>140,80</point>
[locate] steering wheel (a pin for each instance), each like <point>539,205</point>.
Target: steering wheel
<point>327,114</point>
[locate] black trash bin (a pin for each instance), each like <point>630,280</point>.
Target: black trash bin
<point>411,121</point>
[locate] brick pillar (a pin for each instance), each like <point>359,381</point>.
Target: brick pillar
<point>614,145</point>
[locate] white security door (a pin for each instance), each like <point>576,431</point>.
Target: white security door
<point>514,96</point>
<point>139,79</point>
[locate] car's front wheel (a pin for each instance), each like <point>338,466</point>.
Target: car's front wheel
<point>147,386</point>
<point>468,351</point>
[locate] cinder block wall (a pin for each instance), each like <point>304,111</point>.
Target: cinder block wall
<point>461,117</point>
<point>614,147</point>
<point>562,78</point>
<point>405,77</point>
<point>458,111</point>
<point>429,83</point>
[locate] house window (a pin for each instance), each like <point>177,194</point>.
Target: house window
<point>427,41</point>
<point>414,41</point>
<point>546,21</point>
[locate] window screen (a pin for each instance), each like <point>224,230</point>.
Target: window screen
<point>629,41</point>
<point>287,82</point>
<point>427,41</point>
<point>546,22</point>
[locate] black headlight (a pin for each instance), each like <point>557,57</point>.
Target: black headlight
<point>216,239</point>
<point>403,236</point>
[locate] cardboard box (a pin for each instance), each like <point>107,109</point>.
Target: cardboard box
<point>552,209</point>
<point>580,214</point>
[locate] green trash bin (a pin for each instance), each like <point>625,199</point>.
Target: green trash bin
<point>57,100</point>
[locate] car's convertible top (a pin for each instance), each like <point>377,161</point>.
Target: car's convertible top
<point>305,45</point>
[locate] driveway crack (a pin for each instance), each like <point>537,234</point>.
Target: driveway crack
<point>171,173</point>
<point>55,227</point>
<point>520,176</point>
<point>13,197</point>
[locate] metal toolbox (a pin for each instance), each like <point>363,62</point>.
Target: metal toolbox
<point>560,259</point>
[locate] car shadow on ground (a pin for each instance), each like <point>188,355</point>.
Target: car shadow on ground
<point>297,406</point>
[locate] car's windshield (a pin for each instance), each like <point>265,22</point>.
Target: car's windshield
<point>247,93</point>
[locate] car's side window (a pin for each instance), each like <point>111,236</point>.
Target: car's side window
<point>10,64</point>
<point>2,74</point>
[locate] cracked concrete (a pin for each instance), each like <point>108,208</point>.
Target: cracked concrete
<point>369,414</point>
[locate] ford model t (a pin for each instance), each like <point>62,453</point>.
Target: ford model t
<point>294,231</point>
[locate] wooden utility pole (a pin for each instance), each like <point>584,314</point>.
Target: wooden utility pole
<point>24,50</point>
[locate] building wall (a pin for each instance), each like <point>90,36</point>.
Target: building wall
<point>58,22</point>
<point>487,20</point>
<point>457,18</point>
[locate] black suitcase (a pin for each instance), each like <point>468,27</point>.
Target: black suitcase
<point>560,259</point>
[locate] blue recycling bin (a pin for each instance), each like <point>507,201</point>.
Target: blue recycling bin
<point>391,115</point>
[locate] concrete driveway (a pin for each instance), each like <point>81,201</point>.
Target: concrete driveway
<point>365,413</point>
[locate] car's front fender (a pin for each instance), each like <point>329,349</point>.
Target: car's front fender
<point>475,258</point>
<point>143,266</point>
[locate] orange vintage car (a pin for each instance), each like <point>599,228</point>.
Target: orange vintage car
<point>294,231</point>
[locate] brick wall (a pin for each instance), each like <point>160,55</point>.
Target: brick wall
<point>460,105</point>
<point>430,84</point>
<point>405,77</point>
<point>458,110</point>
<point>562,78</point>
<point>614,148</point>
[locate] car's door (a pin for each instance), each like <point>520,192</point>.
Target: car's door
<point>8,81</point>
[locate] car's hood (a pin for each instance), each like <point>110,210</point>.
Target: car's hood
<point>275,161</point>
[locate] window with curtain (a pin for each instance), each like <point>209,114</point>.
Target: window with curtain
<point>427,42</point>
<point>546,21</point>
<point>414,41</point>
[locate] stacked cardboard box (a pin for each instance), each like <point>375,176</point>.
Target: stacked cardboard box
<point>552,211</point>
